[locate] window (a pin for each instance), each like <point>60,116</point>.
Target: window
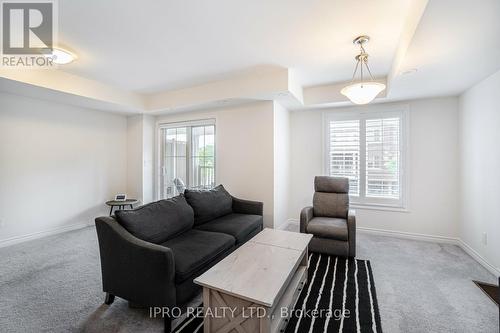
<point>344,151</point>
<point>187,157</point>
<point>369,148</point>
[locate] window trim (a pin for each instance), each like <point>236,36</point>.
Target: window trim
<point>373,112</point>
<point>158,146</point>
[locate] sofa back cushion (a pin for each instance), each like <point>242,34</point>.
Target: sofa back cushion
<point>330,204</point>
<point>209,204</point>
<point>331,197</point>
<point>330,184</point>
<point>158,221</point>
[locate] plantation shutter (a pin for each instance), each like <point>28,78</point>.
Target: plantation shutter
<point>383,158</point>
<point>344,159</point>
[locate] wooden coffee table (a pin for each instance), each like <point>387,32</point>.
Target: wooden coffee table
<point>246,291</point>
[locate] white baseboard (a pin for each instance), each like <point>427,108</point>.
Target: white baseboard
<point>410,235</point>
<point>427,238</point>
<point>280,226</point>
<point>41,234</point>
<point>283,225</point>
<point>435,239</point>
<point>470,251</point>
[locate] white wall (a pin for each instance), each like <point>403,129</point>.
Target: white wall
<point>140,157</point>
<point>148,158</point>
<point>244,150</point>
<point>58,165</point>
<point>433,168</point>
<point>479,128</point>
<point>134,157</point>
<point>281,164</point>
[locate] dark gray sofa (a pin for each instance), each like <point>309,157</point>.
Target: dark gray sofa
<point>150,255</point>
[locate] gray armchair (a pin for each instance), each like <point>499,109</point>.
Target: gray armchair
<point>329,220</point>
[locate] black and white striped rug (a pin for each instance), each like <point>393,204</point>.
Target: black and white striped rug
<point>339,297</point>
<point>343,294</point>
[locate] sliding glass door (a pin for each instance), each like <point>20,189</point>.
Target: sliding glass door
<point>187,157</point>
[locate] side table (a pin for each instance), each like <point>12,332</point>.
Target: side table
<point>121,204</point>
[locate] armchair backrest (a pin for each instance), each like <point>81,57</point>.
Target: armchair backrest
<point>331,196</point>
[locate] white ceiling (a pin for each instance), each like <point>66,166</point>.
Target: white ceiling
<point>456,44</point>
<point>148,46</point>
<point>141,50</point>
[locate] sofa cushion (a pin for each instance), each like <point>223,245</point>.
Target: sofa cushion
<point>158,221</point>
<point>240,226</point>
<point>196,250</point>
<point>209,204</point>
<point>327,227</point>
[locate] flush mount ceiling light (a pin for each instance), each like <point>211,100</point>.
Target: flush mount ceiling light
<point>61,57</point>
<point>364,91</point>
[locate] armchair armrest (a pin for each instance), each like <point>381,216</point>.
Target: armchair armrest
<point>306,215</point>
<point>136,270</point>
<point>351,229</point>
<point>242,206</point>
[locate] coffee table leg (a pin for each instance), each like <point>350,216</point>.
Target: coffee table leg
<point>206,305</point>
<point>111,211</point>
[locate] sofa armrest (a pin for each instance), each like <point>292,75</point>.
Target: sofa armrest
<point>133,269</point>
<point>306,215</point>
<point>242,206</point>
<point>351,229</point>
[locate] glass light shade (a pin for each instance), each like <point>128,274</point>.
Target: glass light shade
<point>363,92</point>
<point>61,57</point>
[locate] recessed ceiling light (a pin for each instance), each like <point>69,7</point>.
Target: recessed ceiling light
<point>409,71</point>
<point>61,57</point>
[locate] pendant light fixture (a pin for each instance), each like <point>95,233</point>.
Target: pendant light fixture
<point>364,91</point>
